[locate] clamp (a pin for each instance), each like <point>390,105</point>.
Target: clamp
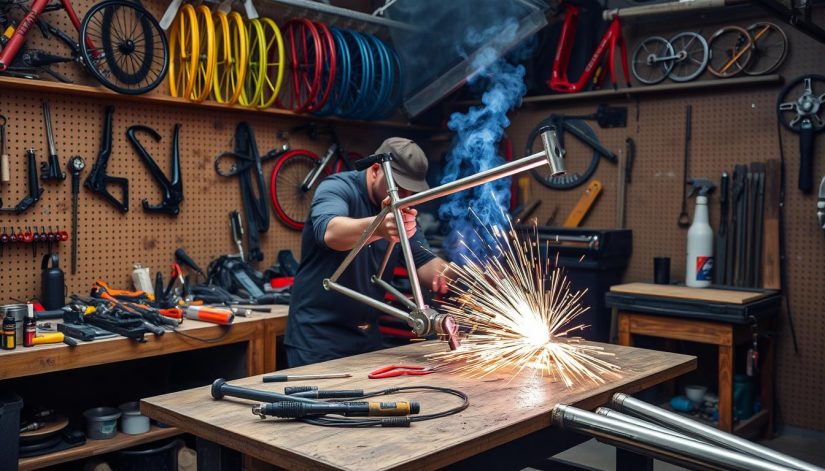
<point>98,181</point>
<point>172,188</point>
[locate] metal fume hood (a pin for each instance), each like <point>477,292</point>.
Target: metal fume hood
<point>455,39</point>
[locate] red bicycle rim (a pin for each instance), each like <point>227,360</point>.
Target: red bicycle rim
<point>305,51</point>
<point>328,57</point>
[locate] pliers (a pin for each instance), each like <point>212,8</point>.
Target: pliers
<point>392,371</point>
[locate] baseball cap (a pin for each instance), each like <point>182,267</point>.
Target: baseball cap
<point>409,164</point>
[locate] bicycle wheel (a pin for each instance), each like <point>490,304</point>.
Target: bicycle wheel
<point>382,78</point>
<point>329,67</point>
<point>305,51</point>
<point>256,65</point>
<point>230,67</point>
<point>652,60</point>
<point>207,55</point>
<point>132,56</point>
<point>342,74</point>
<point>274,69</point>
<point>731,50</point>
<point>397,86</point>
<point>693,55</point>
<point>355,96</point>
<point>291,203</point>
<point>184,49</point>
<point>770,47</point>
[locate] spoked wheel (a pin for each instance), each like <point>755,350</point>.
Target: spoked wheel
<point>207,55</point>
<point>275,64</point>
<point>184,49</point>
<point>123,47</point>
<point>731,50</point>
<point>355,96</point>
<point>383,77</point>
<point>770,47</point>
<point>652,60</point>
<point>340,87</point>
<point>693,55</point>
<point>230,66</point>
<point>397,86</point>
<point>305,52</point>
<point>256,65</point>
<point>328,69</point>
<point>290,201</point>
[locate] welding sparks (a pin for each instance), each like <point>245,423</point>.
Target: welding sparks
<point>514,323</point>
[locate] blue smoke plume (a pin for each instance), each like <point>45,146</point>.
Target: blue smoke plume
<point>475,147</point>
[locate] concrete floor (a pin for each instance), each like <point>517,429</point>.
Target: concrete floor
<point>804,444</point>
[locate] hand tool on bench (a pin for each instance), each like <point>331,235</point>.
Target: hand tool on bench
<point>721,269</point>
<point>184,259</point>
<point>50,170</point>
<point>35,192</point>
<point>588,199</point>
<point>4,157</point>
<point>98,181</point>
<point>76,165</point>
<point>391,371</point>
<point>684,218</point>
<point>804,115</point>
<point>284,378</point>
<point>294,410</point>
<point>172,187</point>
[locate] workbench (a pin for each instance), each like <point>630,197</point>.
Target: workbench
<point>507,424</point>
<point>257,332</point>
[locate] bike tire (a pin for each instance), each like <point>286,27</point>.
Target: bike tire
<point>644,65</point>
<point>695,59</point>
<point>731,50</point>
<point>767,36</point>
<point>143,45</point>
<point>291,203</point>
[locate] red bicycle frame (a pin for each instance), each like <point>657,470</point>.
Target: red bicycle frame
<point>612,37</point>
<point>19,37</point>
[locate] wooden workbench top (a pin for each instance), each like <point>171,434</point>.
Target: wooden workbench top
<point>729,296</point>
<point>40,359</point>
<point>501,409</point>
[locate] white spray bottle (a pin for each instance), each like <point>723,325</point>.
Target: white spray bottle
<point>699,264</point>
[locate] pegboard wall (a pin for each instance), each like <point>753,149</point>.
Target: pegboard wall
<point>730,126</point>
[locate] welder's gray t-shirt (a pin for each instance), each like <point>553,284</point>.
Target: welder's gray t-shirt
<point>325,325</point>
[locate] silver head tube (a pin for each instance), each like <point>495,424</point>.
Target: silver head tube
<point>553,151</point>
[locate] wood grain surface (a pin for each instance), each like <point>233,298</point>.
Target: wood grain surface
<point>58,357</point>
<point>502,408</point>
<point>683,292</point>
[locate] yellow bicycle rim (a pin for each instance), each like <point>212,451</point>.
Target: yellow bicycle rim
<point>256,64</point>
<point>230,68</point>
<point>274,72</point>
<point>205,71</point>
<point>184,49</point>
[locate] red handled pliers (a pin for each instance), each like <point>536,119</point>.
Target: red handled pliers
<point>392,371</point>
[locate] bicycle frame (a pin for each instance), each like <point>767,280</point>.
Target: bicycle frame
<point>612,37</point>
<point>11,49</point>
<point>422,319</point>
<point>315,173</point>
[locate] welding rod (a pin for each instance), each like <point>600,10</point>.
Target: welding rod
<point>283,378</point>
<point>640,409</point>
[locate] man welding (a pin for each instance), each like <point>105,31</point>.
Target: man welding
<point>324,325</point>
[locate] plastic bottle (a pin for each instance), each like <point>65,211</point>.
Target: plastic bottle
<point>29,327</point>
<point>699,265</point>
<point>9,332</point>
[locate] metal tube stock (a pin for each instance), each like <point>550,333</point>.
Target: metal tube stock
<point>629,405</point>
<point>386,308</point>
<point>667,446</point>
<point>665,8</point>
<point>611,414</point>
<point>390,289</point>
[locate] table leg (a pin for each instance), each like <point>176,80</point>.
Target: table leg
<point>213,457</point>
<point>766,386</point>
<point>726,388</point>
<point>624,330</point>
<point>270,342</point>
<point>255,353</point>
<point>630,461</point>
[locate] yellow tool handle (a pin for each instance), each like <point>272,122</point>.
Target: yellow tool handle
<point>594,189</point>
<point>51,337</point>
<point>396,408</point>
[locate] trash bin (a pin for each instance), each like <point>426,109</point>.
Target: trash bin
<point>592,259</point>
<point>156,456</point>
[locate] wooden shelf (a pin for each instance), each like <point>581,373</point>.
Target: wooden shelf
<point>627,93</point>
<point>45,86</point>
<point>97,448</point>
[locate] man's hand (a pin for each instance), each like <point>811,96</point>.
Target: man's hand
<point>441,282</point>
<point>388,229</point>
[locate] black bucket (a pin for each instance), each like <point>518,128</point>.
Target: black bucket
<point>157,456</point>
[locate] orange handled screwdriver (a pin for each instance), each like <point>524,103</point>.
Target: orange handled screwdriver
<point>209,314</point>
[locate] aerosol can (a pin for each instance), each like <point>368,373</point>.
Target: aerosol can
<point>699,264</point>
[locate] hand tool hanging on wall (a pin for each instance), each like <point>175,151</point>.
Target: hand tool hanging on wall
<point>34,188</point>
<point>720,269</point>
<point>50,170</point>
<point>739,193</point>
<point>757,216</point>
<point>4,158</point>
<point>98,181</point>
<point>684,218</point>
<point>820,204</point>
<point>236,226</point>
<point>804,115</point>
<point>255,206</point>
<point>588,199</point>
<point>76,165</point>
<point>172,187</point>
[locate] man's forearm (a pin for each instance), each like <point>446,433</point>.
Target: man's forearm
<point>343,232</point>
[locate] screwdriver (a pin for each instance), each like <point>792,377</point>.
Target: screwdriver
<point>282,378</point>
<point>291,410</point>
<point>4,157</point>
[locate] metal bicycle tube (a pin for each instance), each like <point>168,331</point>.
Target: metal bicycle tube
<point>406,247</point>
<point>612,414</point>
<point>643,410</point>
<point>361,243</point>
<point>386,259</point>
<point>390,289</point>
<point>641,438</point>
<point>313,175</point>
<point>386,308</point>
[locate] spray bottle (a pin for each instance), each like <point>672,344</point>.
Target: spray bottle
<point>699,265</point>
